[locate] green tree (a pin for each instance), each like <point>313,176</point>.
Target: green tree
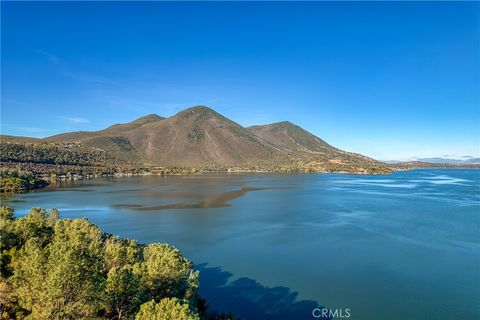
<point>123,292</point>
<point>37,224</point>
<point>167,309</point>
<point>67,269</point>
<point>166,273</point>
<point>64,279</point>
<point>7,213</point>
<point>8,240</point>
<point>9,307</point>
<point>120,252</point>
<point>12,180</point>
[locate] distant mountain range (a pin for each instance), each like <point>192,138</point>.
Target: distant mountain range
<point>443,160</point>
<point>202,138</point>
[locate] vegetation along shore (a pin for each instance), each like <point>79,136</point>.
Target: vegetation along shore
<point>53,268</point>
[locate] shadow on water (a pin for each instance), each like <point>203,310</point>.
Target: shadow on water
<point>217,201</point>
<point>248,299</point>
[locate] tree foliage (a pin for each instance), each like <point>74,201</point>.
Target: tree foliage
<point>56,268</point>
<point>54,153</point>
<point>12,180</point>
<point>167,309</point>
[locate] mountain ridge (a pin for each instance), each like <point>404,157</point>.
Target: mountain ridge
<point>200,137</point>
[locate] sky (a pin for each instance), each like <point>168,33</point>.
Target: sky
<point>386,79</point>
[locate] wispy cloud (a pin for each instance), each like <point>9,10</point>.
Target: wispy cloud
<point>50,56</point>
<point>77,120</point>
<point>13,129</point>
<point>66,70</point>
<point>131,94</point>
<point>31,129</point>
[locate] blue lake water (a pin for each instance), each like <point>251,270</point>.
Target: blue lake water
<point>398,246</point>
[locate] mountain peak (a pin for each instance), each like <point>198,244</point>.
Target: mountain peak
<point>201,137</point>
<point>199,108</point>
<point>148,118</point>
<point>274,125</point>
<point>282,124</point>
<point>199,111</point>
<point>288,136</point>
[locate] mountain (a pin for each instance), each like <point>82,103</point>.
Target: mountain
<point>112,139</point>
<point>198,137</point>
<point>308,149</point>
<point>288,137</point>
<point>114,130</point>
<point>202,138</point>
<point>472,160</point>
<point>19,139</point>
<point>465,160</point>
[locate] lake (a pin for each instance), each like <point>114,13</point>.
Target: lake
<point>275,246</point>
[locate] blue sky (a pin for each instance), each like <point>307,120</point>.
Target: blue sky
<point>389,80</point>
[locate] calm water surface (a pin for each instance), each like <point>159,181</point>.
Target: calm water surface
<point>399,246</point>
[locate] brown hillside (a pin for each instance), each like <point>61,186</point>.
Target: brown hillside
<point>200,137</point>
<point>114,130</point>
<point>289,137</point>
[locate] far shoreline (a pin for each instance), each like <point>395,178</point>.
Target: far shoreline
<point>49,182</point>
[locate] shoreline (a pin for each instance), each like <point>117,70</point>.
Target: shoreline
<point>74,177</point>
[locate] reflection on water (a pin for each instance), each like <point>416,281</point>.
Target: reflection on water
<point>405,245</point>
<point>212,201</point>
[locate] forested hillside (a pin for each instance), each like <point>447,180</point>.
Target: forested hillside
<point>55,153</point>
<point>53,268</point>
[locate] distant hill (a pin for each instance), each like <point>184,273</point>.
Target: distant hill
<point>421,165</point>
<point>465,160</point>
<point>442,160</point>
<point>288,137</point>
<point>111,139</point>
<point>202,138</point>
<point>19,139</point>
<point>114,130</point>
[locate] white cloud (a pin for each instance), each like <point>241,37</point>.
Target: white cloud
<point>77,120</point>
